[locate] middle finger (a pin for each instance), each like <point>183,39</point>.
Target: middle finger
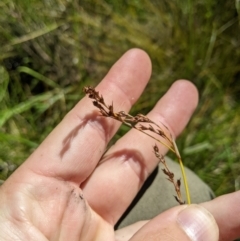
<point>129,162</point>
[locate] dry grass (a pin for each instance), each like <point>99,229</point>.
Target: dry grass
<point>142,123</point>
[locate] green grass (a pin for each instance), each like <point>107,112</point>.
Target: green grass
<point>49,50</point>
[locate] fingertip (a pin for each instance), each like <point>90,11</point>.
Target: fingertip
<point>190,88</point>
<point>139,55</point>
<point>176,107</point>
<point>129,76</point>
<point>140,60</point>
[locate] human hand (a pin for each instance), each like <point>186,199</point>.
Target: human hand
<point>61,192</point>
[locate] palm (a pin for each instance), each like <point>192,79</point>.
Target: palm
<point>52,209</point>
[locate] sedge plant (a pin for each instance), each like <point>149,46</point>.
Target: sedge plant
<point>160,133</point>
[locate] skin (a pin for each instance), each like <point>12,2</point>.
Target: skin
<point>61,192</point>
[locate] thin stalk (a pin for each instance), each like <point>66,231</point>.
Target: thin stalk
<point>185,181</point>
<point>183,172</point>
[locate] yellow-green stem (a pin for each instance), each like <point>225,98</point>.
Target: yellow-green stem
<point>183,172</point>
<point>185,181</point>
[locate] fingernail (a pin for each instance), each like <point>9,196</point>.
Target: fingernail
<point>198,223</point>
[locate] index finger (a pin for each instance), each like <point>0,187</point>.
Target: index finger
<point>226,210</point>
<point>75,146</point>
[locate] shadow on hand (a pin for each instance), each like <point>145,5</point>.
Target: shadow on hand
<point>101,124</point>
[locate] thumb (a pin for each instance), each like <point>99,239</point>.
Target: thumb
<point>185,223</point>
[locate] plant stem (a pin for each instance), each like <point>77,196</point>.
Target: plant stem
<point>185,181</point>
